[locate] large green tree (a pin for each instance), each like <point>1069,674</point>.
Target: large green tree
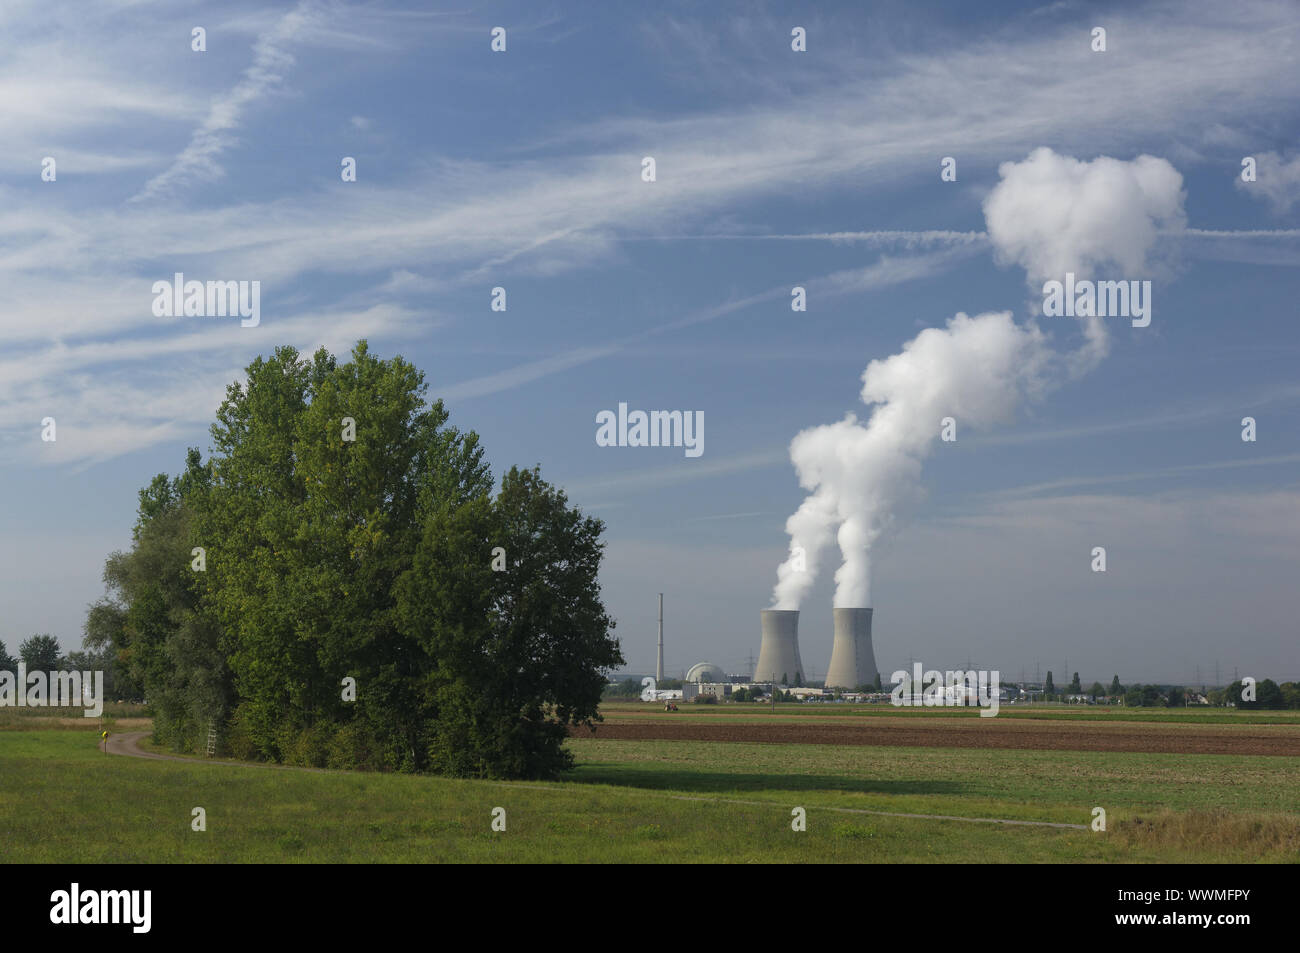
<point>323,476</point>
<point>327,587</point>
<point>503,596</point>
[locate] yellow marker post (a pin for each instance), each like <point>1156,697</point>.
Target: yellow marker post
<point>104,736</point>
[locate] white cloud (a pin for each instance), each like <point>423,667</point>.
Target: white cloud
<point>271,61</point>
<point>1053,214</point>
<point>71,273</point>
<point>113,397</point>
<point>1277,181</point>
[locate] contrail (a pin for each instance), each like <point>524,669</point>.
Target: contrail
<point>909,239</point>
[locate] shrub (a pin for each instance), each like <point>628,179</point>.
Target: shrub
<point>351,747</point>
<point>236,742</point>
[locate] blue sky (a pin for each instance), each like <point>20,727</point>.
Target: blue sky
<point>522,169</point>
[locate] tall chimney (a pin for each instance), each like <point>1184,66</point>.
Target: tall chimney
<point>853,660</point>
<point>659,666</point>
<point>778,656</point>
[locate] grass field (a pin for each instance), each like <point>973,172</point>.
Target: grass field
<point>653,801</point>
<point>74,719</point>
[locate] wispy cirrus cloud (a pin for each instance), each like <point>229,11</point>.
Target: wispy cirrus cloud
<point>271,61</point>
<point>1159,473</point>
<point>886,272</point>
<point>1277,181</point>
<point>643,478</point>
<point>77,273</point>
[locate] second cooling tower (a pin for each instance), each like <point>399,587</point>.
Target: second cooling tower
<point>778,656</point>
<point>853,660</point>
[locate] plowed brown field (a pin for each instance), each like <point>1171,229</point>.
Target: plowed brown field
<point>982,733</point>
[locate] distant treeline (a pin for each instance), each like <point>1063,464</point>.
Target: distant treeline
<point>41,653</point>
<point>1267,694</point>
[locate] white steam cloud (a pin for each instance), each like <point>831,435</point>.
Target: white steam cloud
<point>1050,214</point>
<point>976,370</point>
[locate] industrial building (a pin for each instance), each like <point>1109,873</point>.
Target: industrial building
<point>778,655</point>
<point>853,659</point>
<point>705,672</point>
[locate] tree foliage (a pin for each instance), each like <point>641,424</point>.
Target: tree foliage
<point>41,653</point>
<point>519,652</point>
<point>1290,694</point>
<point>7,662</point>
<point>1144,696</point>
<point>163,648</point>
<point>1268,695</point>
<point>349,534</point>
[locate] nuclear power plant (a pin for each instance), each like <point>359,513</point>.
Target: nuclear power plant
<point>853,660</point>
<point>778,656</point>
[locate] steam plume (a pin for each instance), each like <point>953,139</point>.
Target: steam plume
<point>1049,214</point>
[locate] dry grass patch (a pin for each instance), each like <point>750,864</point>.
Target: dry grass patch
<point>1233,837</point>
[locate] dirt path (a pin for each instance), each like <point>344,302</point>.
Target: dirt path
<point>128,743</point>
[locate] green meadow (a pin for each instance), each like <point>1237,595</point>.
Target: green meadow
<point>62,800</point>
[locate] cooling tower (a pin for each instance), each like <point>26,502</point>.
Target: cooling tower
<point>853,660</point>
<point>778,656</point>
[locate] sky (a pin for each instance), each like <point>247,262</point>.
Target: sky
<point>774,169</point>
